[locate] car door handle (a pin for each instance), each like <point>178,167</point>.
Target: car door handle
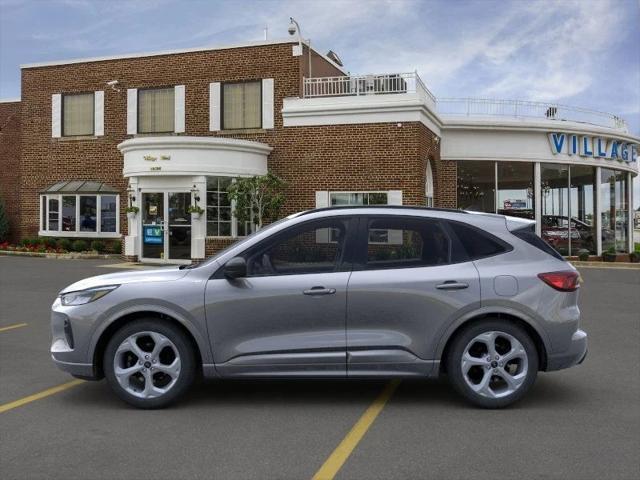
<point>319,291</point>
<point>452,285</point>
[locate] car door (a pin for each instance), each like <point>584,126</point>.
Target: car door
<point>407,286</point>
<point>287,317</point>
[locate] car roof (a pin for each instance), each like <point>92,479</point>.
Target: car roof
<point>345,208</point>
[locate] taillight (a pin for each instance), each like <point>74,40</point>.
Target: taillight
<point>562,281</point>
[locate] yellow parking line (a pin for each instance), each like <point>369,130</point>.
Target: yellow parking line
<point>334,463</point>
<point>11,327</point>
<point>37,396</point>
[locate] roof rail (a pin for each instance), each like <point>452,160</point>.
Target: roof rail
<point>389,207</point>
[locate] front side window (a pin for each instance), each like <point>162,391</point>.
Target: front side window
<point>77,114</point>
<point>156,110</point>
<point>242,105</point>
<point>300,250</point>
<point>409,243</point>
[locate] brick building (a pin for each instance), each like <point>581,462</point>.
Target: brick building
<point>166,130</point>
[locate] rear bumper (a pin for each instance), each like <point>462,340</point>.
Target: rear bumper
<point>574,355</point>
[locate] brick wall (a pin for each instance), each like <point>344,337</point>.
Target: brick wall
<point>10,163</point>
<point>339,157</point>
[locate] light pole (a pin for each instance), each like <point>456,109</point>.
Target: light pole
<point>293,28</point>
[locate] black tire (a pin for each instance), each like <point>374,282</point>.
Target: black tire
<point>185,350</point>
<point>456,351</point>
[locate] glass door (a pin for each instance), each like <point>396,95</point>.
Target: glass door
<point>153,226</point>
<point>179,226</point>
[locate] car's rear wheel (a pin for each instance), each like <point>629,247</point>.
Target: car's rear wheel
<point>149,363</point>
<point>492,363</point>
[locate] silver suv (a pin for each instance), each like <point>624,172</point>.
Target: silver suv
<point>341,293</point>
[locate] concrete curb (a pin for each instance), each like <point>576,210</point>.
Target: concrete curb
<point>62,256</point>
<point>605,265</point>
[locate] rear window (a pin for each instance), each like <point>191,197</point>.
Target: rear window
<point>528,234</point>
<point>478,243</point>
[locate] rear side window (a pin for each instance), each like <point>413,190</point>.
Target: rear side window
<point>478,243</point>
<point>399,242</point>
<point>528,234</point>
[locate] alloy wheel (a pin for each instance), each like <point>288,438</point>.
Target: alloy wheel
<point>147,364</point>
<point>494,364</point>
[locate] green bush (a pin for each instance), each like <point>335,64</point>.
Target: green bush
<point>28,241</point>
<point>64,244</point>
<point>115,246</point>
<point>4,223</point>
<point>98,246</point>
<point>48,242</point>
<point>583,254</point>
<point>79,246</point>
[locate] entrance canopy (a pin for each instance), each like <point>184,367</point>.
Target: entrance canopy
<point>80,186</point>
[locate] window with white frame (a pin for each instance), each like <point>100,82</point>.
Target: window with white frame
<point>358,198</point>
<point>242,105</point>
<point>78,114</point>
<point>428,188</point>
<point>221,222</point>
<point>156,110</point>
<point>79,214</point>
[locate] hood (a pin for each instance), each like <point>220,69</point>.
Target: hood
<point>137,276</point>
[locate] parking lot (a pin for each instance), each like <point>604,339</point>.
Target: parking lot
<point>581,423</point>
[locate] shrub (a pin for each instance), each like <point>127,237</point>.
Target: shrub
<point>64,244</point>
<point>48,242</point>
<point>115,246</point>
<point>4,223</point>
<point>583,254</point>
<point>79,246</point>
<point>98,246</point>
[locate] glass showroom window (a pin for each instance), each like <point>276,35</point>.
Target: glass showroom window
<point>220,219</point>
<point>77,114</point>
<point>555,206</point>
<point>477,186</point>
<point>242,105</point>
<point>515,189</point>
<point>156,110</point>
<point>79,215</point>
<point>582,204</point>
<point>614,210</point>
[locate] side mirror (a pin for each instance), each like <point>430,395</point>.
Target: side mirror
<point>235,268</point>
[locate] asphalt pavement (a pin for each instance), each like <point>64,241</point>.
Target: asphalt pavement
<point>582,423</point>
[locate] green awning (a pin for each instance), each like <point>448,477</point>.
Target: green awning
<point>80,186</point>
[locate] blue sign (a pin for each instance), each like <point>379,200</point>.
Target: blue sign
<point>597,147</point>
<point>152,235</point>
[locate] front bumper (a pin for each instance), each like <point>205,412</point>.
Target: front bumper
<point>574,355</point>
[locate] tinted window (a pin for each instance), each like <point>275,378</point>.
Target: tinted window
<point>313,248</point>
<point>397,242</point>
<point>528,234</point>
<point>476,243</point>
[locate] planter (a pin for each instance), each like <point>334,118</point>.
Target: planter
<point>634,257</point>
<point>131,215</point>
<point>196,215</point>
<point>609,257</point>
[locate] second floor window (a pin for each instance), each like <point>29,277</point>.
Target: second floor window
<point>156,110</point>
<point>242,105</point>
<point>77,114</point>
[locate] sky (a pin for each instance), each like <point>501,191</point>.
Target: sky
<point>578,52</point>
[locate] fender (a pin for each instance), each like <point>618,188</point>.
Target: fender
<point>488,310</point>
<point>155,306</point>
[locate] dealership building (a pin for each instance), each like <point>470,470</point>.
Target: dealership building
<point>163,131</point>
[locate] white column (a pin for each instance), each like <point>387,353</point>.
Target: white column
<point>537,197</point>
<point>630,211</point>
<point>199,226</point>
<point>598,213</point>
<point>132,241</point>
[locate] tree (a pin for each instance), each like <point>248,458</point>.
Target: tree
<point>4,222</point>
<point>257,199</point>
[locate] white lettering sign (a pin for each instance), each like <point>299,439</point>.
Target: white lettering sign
<point>589,146</point>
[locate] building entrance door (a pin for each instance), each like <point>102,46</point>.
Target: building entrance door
<point>166,227</point>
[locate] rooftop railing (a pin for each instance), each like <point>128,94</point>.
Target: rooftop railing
<point>526,109</point>
<point>399,83</point>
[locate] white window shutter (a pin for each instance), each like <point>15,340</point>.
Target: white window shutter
<point>98,113</point>
<point>394,197</point>
<point>322,199</point>
<point>132,111</point>
<point>56,115</point>
<point>214,106</point>
<point>179,109</point>
<point>267,103</point>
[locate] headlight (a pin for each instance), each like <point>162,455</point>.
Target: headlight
<point>85,296</point>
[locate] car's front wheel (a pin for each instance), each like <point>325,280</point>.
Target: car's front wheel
<point>149,363</point>
<point>492,363</point>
